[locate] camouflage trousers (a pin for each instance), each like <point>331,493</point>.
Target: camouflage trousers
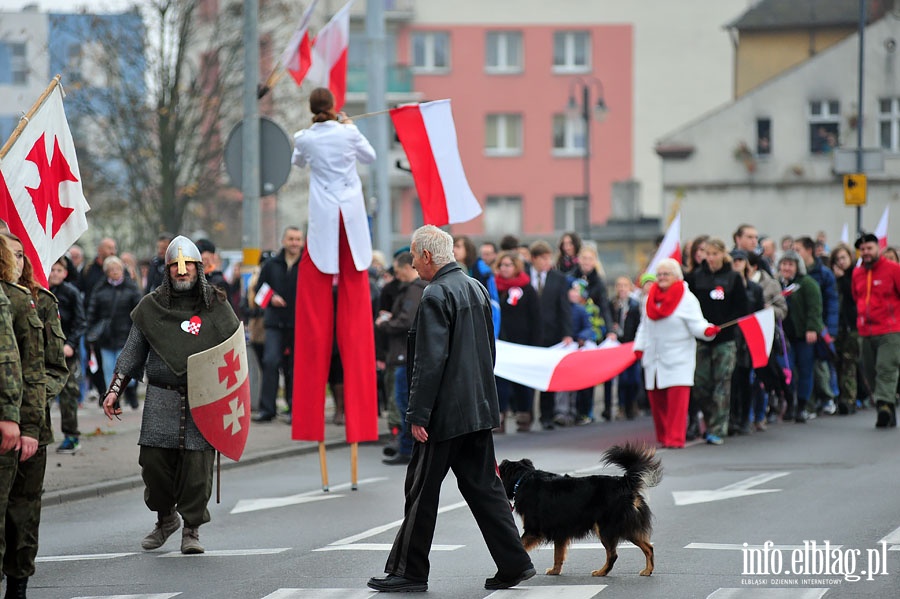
<point>847,346</point>
<point>23,516</point>
<point>394,418</point>
<point>712,384</point>
<point>8,464</point>
<point>68,399</point>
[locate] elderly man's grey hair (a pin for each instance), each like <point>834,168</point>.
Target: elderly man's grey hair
<point>438,243</point>
<point>109,261</point>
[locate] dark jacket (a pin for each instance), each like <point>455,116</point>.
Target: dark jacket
<point>721,295</point>
<point>283,282</point>
<point>596,288</point>
<point>825,278</point>
<point>847,310</point>
<point>156,273</point>
<point>71,313</point>
<point>556,310</point>
<point>452,391</point>
<point>626,319</point>
<point>403,313</point>
<point>804,308</point>
<point>90,277</point>
<point>112,304</point>
<point>520,318</point>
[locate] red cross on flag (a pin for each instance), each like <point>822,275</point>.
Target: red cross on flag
<point>219,394</point>
<point>41,200</point>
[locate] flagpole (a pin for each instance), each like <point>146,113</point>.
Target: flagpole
<point>23,122</point>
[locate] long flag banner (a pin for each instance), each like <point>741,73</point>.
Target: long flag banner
<point>41,199</point>
<point>297,57</point>
<point>670,246</point>
<point>881,231</point>
<point>560,368</point>
<point>329,56</point>
<point>428,136</point>
<point>759,333</point>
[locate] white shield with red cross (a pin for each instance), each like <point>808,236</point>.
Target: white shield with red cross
<point>219,394</point>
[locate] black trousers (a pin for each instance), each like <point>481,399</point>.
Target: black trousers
<point>471,457</point>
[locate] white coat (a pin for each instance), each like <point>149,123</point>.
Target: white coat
<point>331,150</point>
<point>670,344</point>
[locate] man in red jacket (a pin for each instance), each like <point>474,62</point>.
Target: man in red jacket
<point>876,290</point>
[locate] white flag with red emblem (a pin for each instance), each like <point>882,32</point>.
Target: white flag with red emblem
<point>670,246</point>
<point>759,334</point>
<point>219,394</point>
<point>296,58</point>
<point>41,199</point>
<point>329,56</point>
<point>562,368</point>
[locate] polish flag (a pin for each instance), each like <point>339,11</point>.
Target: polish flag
<point>881,230</point>
<point>759,333</point>
<point>428,136</point>
<point>263,295</point>
<point>41,199</point>
<point>329,56</point>
<point>845,234</point>
<point>562,368</point>
<point>297,58</point>
<point>670,247</point>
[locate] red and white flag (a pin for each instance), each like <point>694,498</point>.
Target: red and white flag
<point>561,369</point>
<point>845,234</point>
<point>670,246</point>
<point>759,333</point>
<point>329,56</point>
<point>263,295</point>
<point>428,135</point>
<point>41,199</point>
<point>881,230</point>
<point>297,57</point>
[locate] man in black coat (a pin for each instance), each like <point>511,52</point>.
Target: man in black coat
<point>556,311</point>
<point>279,273</point>
<point>452,409</point>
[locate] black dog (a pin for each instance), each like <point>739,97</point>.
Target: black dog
<point>564,508</point>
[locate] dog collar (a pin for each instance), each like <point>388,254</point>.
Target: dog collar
<point>516,486</point>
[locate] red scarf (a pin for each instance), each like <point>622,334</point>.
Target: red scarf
<point>520,280</point>
<point>661,304</point>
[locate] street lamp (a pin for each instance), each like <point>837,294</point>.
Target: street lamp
<point>588,111</point>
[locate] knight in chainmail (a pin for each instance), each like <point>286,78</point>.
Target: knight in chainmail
<point>183,316</point>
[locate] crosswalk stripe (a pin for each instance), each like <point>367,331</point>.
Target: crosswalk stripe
<point>741,547</point>
<point>228,552</point>
<point>78,558</point>
<point>145,596</point>
<point>265,503</point>
<point>892,539</point>
<point>321,594</point>
<point>768,593</point>
<point>550,592</point>
<point>380,547</point>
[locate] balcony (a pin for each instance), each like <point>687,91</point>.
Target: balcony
<point>401,11</point>
<point>399,80</point>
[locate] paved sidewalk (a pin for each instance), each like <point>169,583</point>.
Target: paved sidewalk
<point>108,458</point>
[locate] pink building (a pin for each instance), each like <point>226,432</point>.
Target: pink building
<point>521,144</point>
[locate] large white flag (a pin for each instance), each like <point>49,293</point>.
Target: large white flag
<point>670,246</point>
<point>329,56</point>
<point>41,199</point>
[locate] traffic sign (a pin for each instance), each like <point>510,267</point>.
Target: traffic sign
<point>275,148</point>
<point>855,190</point>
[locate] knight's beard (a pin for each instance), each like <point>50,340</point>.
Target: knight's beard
<point>183,285</point>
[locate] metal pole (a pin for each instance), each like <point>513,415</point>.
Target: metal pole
<point>859,105</point>
<point>250,136</point>
<point>376,90</point>
<point>586,115</point>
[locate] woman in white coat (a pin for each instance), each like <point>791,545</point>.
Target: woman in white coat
<point>337,245</point>
<point>666,344</point>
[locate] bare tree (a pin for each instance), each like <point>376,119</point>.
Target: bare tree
<point>163,78</point>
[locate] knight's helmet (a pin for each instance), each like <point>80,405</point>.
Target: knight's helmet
<point>182,250</point>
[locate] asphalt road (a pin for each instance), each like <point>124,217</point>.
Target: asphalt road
<point>276,535</point>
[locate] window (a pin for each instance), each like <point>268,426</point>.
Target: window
<point>13,63</point>
<point>502,215</point>
<point>568,135</point>
<point>503,134</point>
<point>571,51</point>
<point>503,52</point>
<point>763,137</point>
<point>824,126</point>
<point>431,51</point>
<point>889,124</point>
<point>570,213</point>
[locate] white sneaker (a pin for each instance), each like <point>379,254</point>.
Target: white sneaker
<point>829,407</point>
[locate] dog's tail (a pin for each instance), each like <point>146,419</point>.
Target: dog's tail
<point>642,467</point>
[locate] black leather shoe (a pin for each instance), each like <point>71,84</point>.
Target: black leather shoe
<point>398,459</point>
<point>499,581</point>
<point>397,584</point>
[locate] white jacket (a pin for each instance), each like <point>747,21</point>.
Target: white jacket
<point>331,151</point>
<point>670,344</point>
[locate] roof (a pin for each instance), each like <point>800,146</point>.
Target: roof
<point>787,14</point>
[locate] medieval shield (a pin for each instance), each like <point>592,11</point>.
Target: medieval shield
<point>219,394</point>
